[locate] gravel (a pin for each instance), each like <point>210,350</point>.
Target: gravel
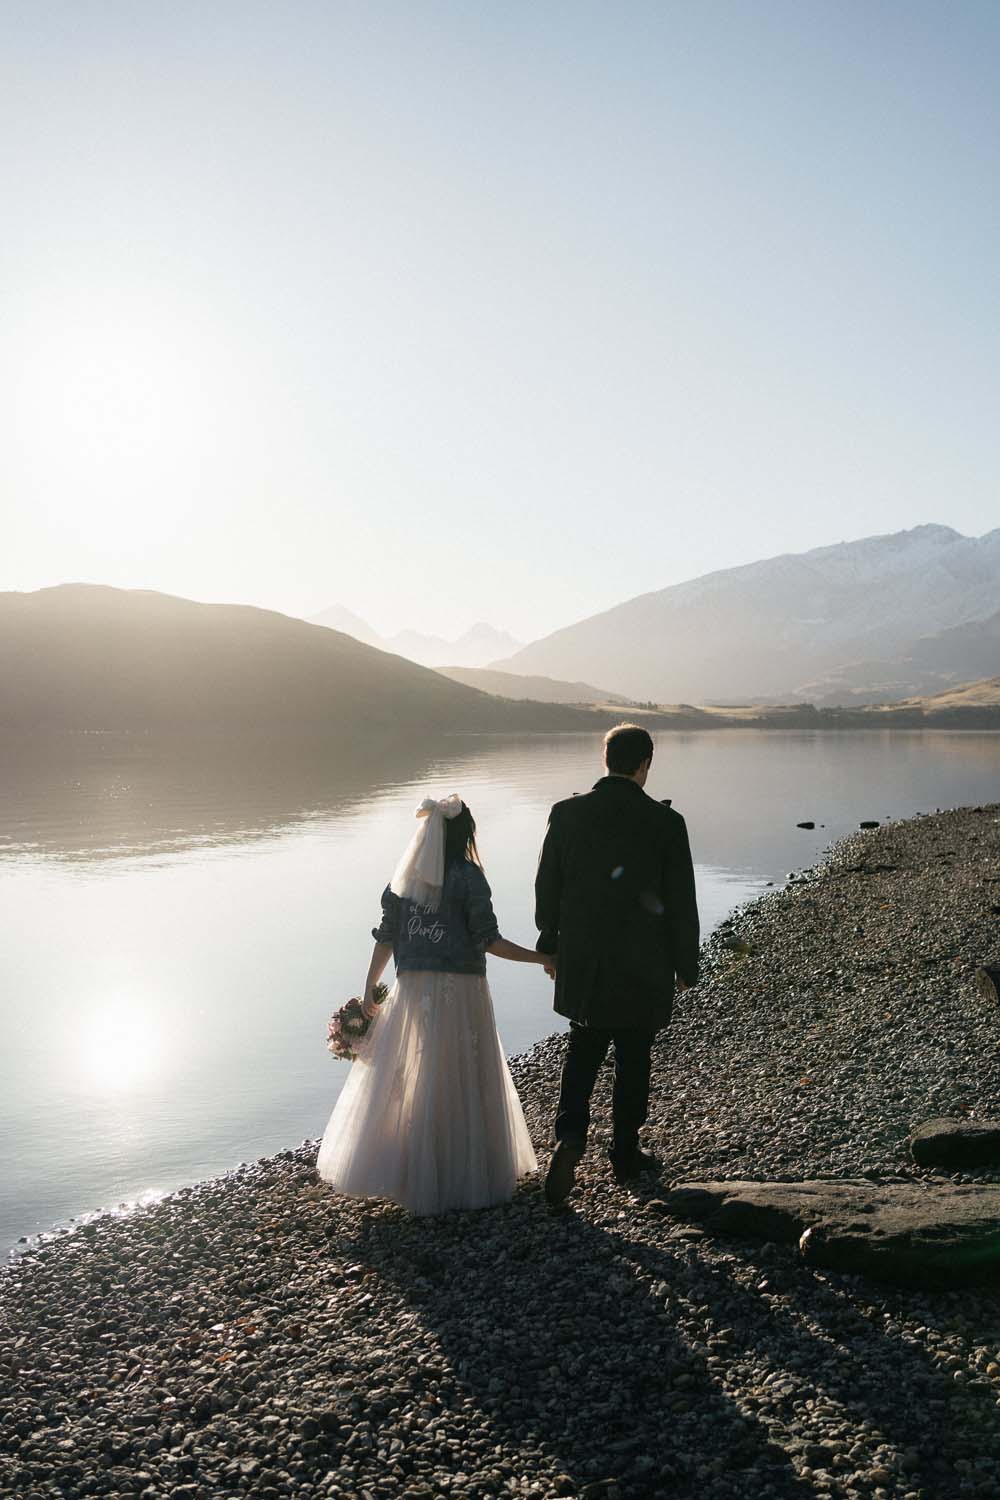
<point>258,1336</point>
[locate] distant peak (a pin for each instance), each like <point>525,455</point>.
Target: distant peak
<point>483,628</point>
<point>339,617</point>
<point>929,531</point>
<point>934,529</point>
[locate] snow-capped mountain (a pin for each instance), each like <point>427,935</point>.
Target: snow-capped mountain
<point>782,628</point>
<point>477,646</point>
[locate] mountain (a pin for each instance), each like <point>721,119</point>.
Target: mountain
<point>477,646</point>
<point>539,689</point>
<point>930,665</point>
<point>344,620</point>
<point>87,657</point>
<point>777,628</point>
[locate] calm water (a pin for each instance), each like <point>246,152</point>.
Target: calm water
<point>177,924</point>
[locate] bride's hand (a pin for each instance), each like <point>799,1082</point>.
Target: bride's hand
<point>369,1005</point>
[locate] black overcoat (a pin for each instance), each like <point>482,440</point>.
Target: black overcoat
<point>615,901</point>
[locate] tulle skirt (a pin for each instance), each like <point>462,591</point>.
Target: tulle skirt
<point>429,1116</point>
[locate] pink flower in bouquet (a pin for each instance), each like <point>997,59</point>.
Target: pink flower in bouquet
<point>349,1024</point>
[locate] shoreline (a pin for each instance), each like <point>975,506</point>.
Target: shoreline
<point>254,1333</point>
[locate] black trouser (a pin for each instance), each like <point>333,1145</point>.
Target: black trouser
<point>588,1046</point>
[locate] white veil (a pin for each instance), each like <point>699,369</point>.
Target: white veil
<point>419,874</point>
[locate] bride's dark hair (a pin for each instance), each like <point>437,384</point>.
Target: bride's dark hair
<point>460,839</point>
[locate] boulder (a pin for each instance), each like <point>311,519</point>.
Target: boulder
<point>988,979</point>
<point>956,1143</point>
<point>930,1235</point>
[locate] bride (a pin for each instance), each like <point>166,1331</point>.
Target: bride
<point>429,1116</point>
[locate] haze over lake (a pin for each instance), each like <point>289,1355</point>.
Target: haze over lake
<point>178,926</point>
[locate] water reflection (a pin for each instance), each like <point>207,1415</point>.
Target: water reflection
<point>96,796</point>
<point>99,796</point>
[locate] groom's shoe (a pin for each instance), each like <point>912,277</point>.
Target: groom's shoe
<point>628,1165</point>
<point>560,1177</point>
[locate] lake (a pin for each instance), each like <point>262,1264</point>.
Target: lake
<point>178,922</point>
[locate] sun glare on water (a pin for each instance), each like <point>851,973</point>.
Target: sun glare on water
<point>121,1047</point>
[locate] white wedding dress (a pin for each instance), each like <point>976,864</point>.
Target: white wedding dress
<point>429,1116</point>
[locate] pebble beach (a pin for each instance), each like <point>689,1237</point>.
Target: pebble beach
<point>258,1336</point>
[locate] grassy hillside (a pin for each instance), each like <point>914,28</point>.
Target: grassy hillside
<point>985,694</point>
<point>84,656</point>
<point>974,705</point>
<point>971,705</point>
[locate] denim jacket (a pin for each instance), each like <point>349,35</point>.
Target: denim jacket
<point>452,939</point>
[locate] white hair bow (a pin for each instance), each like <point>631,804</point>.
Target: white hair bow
<point>419,876</point>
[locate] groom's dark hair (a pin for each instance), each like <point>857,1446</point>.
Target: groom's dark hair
<point>625,748</point>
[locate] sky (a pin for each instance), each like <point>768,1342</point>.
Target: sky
<point>506,311</point>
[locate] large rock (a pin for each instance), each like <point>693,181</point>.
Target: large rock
<point>950,1142</point>
<point>934,1235</point>
<point>988,980</point>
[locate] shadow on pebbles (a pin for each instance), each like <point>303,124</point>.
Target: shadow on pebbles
<point>258,1336</point>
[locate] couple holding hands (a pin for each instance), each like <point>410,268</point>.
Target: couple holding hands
<point>429,1116</point>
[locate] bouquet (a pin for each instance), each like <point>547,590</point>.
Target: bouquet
<point>350,1024</point>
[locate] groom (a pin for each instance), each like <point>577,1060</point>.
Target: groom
<point>615,903</point>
